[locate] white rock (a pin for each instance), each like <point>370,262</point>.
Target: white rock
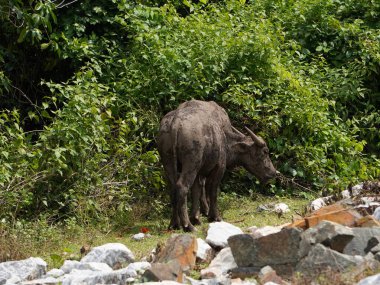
<point>21,270</point>
<point>139,267</point>
<point>205,251</point>
<point>319,203</point>
<point>220,265</point>
<point>164,282</point>
<point>219,232</point>
<point>110,253</point>
<point>356,190</point>
<point>48,281</point>
<point>345,194</point>
<point>371,280</point>
<point>55,273</point>
<point>97,277</point>
<point>139,236</point>
<point>376,213</point>
<point>271,283</point>
<point>281,208</point>
<point>69,265</point>
<point>264,231</point>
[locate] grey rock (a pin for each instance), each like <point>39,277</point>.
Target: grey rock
<point>364,240</point>
<point>328,233</point>
<point>321,258</point>
<point>219,232</point>
<point>163,271</point>
<point>279,250</point>
<point>113,254</point>
<point>205,252</point>
<point>220,265</point>
<point>21,270</point>
<point>371,280</point>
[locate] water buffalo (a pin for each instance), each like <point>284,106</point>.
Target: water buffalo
<point>197,143</point>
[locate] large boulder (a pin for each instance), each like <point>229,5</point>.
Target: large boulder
<point>113,254</point>
<point>219,232</point>
<point>279,250</point>
<point>364,240</point>
<point>22,270</point>
<point>321,258</point>
<point>181,249</point>
<point>220,265</point>
<point>328,233</point>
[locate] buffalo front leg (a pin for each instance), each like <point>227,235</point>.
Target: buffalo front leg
<point>212,184</point>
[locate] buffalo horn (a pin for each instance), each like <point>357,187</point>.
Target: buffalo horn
<point>237,131</point>
<point>255,138</point>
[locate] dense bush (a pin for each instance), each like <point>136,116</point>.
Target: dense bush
<point>84,84</point>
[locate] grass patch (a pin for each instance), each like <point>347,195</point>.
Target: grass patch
<point>56,243</point>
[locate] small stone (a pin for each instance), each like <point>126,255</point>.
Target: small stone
<point>205,252</point>
<point>281,208</point>
<point>268,274</point>
<point>139,267</point>
<point>320,203</point>
<point>219,232</point>
<point>139,236</point>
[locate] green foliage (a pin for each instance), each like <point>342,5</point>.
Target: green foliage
<point>83,86</point>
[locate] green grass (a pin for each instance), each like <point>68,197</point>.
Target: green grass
<point>55,243</point>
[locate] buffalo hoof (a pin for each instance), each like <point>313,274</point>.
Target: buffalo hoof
<point>189,228</point>
<point>214,219</point>
<point>196,221</point>
<point>173,227</point>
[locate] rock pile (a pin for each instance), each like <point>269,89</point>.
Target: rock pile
<point>336,238</point>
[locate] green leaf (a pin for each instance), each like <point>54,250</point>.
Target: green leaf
<point>22,35</point>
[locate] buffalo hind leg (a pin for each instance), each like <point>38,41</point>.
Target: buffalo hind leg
<point>212,184</point>
<point>196,194</point>
<point>182,188</point>
<point>174,222</point>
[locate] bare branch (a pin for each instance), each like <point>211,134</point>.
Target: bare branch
<point>61,5</point>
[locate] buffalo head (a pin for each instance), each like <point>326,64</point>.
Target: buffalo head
<point>255,158</point>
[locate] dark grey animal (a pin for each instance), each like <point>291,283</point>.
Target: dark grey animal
<point>197,143</point>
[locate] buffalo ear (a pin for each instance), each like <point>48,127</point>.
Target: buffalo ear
<point>244,146</point>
